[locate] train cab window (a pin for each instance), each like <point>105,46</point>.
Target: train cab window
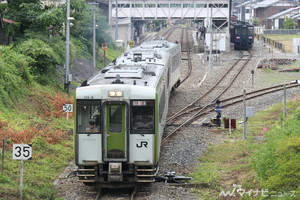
<point>142,117</point>
<point>250,30</point>
<point>88,116</point>
<point>238,31</point>
<point>244,31</point>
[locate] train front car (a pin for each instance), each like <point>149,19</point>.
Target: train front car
<point>120,117</point>
<point>242,35</point>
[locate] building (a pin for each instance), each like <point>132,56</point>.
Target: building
<point>278,19</point>
<point>265,9</point>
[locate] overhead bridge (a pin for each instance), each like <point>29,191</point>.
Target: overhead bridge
<point>171,9</point>
<point>131,15</point>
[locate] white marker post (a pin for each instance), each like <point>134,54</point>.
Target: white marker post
<point>68,108</point>
<point>22,152</point>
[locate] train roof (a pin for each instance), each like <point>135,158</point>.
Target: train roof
<point>141,66</point>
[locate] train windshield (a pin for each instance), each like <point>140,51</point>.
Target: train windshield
<point>244,31</point>
<point>251,30</point>
<point>88,116</point>
<point>142,117</point>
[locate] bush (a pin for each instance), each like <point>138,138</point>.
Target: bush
<point>14,75</point>
<point>277,162</point>
<point>45,58</point>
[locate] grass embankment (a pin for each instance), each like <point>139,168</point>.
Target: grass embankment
<point>37,119</point>
<point>32,114</point>
<point>266,164</point>
<point>287,40</point>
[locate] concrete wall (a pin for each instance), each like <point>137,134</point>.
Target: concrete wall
<point>125,32</point>
<point>296,46</point>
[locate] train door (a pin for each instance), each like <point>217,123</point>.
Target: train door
<point>115,140</point>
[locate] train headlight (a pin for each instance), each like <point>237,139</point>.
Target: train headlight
<point>237,37</point>
<point>250,37</point>
<point>119,93</point>
<point>115,93</point>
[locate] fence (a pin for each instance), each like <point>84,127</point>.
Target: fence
<point>271,42</point>
<point>282,31</point>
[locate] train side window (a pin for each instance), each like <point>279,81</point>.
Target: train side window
<point>142,117</point>
<point>87,111</point>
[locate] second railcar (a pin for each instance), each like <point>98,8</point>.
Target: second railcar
<point>242,35</point>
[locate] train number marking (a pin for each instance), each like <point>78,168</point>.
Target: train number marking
<point>143,143</point>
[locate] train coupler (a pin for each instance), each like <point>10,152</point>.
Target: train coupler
<point>115,172</point>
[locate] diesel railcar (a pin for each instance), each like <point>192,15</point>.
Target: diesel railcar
<point>241,35</point>
<point>121,114</point>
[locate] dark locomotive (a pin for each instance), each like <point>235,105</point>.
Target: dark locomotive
<point>241,35</point>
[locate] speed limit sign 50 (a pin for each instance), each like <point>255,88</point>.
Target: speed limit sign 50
<point>68,107</point>
<point>22,151</point>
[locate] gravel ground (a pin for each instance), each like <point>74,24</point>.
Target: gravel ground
<point>181,152</point>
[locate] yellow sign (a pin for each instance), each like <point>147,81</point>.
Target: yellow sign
<point>131,43</point>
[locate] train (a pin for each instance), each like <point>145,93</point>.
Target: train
<point>121,114</point>
<point>241,35</point>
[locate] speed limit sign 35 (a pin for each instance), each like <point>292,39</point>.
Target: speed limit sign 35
<point>22,151</point>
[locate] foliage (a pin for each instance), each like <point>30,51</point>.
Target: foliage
<point>289,23</point>
<point>277,163</point>
<point>15,4</point>
<point>256,22</point>
<point>27,136</point>
<point>45,58</point>
<point>83,24</point>
<point>14,75</point>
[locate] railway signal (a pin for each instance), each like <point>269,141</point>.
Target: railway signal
<point>104,47</point>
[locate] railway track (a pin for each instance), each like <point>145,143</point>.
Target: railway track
<point>201,111</point>
<point>127,193</point>
<point>194,109</point>
<point>185,48</point>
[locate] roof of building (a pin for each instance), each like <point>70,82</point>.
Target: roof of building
<point>248,3</point>
<point>296,16</point>
<point>265,3</point>
<point>290,10</point>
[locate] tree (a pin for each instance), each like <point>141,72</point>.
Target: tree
<point>289,23</point>
<point>15,4</point>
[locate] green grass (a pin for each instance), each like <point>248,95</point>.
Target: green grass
<point>287,40</point>
<point>111,54</point>
<point>49,159</point>
<point>268,76</point>
<point>282,37</point>
<point>39,173</point>
<point>231,161</point>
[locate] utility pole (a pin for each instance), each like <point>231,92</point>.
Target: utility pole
<point>245,116</point>
<point>67,47</point>
<point>211,63</point>
<point>117,31</point>
<point>94,34</point>
<point>94,39</point>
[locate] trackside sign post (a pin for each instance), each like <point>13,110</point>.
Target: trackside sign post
<point>22,152</point>
<point>68,108</point>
